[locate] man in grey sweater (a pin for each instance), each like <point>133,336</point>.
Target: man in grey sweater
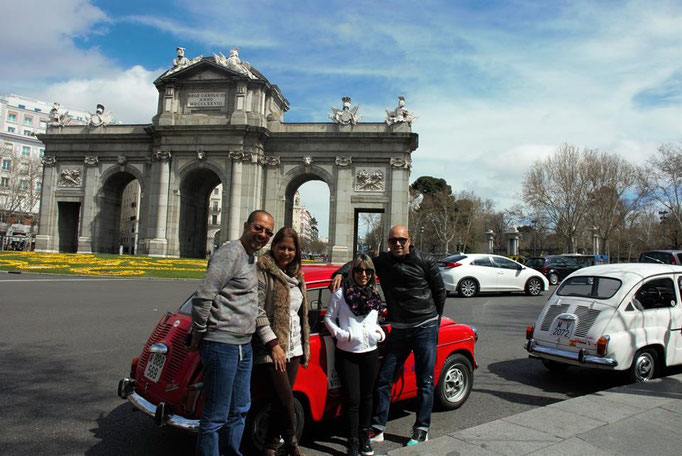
<point>224,313</point>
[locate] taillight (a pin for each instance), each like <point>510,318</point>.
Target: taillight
<point>449,264</point>
<point>544,269</point>
<point>602,345</point>
<point>133,366</point>
<point>529,331</point>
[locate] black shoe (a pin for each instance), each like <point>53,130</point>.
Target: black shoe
<point>365,445</point>
<point>353,446</point>
<point>418,436</point>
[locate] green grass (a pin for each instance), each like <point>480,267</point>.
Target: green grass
<point>102,265</point>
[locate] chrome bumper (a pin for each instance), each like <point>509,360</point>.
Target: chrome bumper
<point>158,412</point>
<point>580,356</point>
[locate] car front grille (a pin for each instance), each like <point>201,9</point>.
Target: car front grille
<point>586,318</point>
<point>177,352</point>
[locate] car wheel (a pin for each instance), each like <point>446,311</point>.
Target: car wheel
<point>534,286</point>
<point>553,278</point>
<point>554,366</point>
<point>643,366</point>
<point>467,288</point>
<point>455,383</point>
<point>257,422</point>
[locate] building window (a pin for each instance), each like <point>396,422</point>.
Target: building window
<point>4,182</point>
<point>215,206</point>
<point>11,130</point>
<point>28,133</point>
<point>8,147</point>
<point>42,153</point>
<point>23,185</point>
<point>39,186</point>
<point>6,165</point>
<point>25,151</point>
<point>28,121</point>
<point>43,124</point>
<point>215,191</point>
<point>21,106</point>
<point>214,220</point>
<point>37,110</point>
<point>12,117</point>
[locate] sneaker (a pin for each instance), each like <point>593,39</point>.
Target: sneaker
<point>365,446</point>
<point>376,436</point>
<point>418,436</point>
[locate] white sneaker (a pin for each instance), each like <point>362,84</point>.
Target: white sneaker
<point>375,436</point>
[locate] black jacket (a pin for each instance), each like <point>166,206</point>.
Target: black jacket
<point>412,285</point>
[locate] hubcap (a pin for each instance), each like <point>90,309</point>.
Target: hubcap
<point>454,385</point>
<point>468,288</point>
<point>534,287</point>
<point>644,369</point>
<point>553,279</point>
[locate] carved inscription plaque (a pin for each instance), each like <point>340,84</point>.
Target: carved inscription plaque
<point>206,100</point>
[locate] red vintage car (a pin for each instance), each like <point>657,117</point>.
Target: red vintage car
<point>165,381</point>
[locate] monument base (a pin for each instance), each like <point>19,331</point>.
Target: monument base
<point>84,244</point>
<point>340,254</point>
<point>157,247</point>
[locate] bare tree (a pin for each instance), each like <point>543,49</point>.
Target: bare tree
<point>617,189</point>
<point>559,188</point>
<point>20,186</point>
<point>665,180</point>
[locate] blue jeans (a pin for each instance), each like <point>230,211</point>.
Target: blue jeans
<point>227,398</point>
<point>422,341</point>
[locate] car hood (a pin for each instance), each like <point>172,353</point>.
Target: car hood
<point>590,318</point>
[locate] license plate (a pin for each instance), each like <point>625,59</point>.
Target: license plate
<point>155,366</point>
<point>562,328</point>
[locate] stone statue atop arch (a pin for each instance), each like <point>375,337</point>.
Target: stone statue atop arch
<point>345,115</point>
<point>234,63</point>
<point>58,119</point>
<point>399,114</point>
<point>100,118</point>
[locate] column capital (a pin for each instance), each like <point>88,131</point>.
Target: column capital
<point>162,155</point>
<point>91,160</point>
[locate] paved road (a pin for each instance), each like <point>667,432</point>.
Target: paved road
<point>66,341</point>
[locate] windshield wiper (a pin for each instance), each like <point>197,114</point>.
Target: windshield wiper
<point>655,260</point>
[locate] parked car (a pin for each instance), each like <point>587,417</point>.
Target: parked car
<point>661,256</point>
<point>620,317</point>
<point>471,273</point>
<point>165,381</point>
<point>554,267</point>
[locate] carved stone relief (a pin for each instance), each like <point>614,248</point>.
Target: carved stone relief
<point>307,160</point>
<point>272,160</point>
<point>162,155</point>
<point>91,160</point>
<point>344,161</point>
<point>399,162</point>
<point>49,160</point>
<point>122,160</point>
<point>369,180</point>
<point>70,178</point>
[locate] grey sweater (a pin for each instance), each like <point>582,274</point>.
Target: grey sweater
<point>225,305</point>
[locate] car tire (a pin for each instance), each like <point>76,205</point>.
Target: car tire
<point>644,366</point>
<point>554,366</point>
<point>455,382</point>
<point>467,288</point>
<point>534,287</point>
<point>553,278</point>
<point>257,426</point>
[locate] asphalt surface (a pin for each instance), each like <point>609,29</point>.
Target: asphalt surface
<point>66,341</point>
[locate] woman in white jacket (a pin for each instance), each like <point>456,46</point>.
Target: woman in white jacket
<point>352,319</point>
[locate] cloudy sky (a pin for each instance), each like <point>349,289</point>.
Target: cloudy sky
<point>496,84</point>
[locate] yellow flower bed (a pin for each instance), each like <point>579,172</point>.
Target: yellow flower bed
<point>102,265</point>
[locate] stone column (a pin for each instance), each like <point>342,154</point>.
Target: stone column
<point>342,232</point>
<point>490,235</point>
<point>400,193</point>
<point>235,222</point>
<point>158,245</point>
<point>512,241</point>
<point>89,208</point>
<point>46,240</point>
<point>595,241</point>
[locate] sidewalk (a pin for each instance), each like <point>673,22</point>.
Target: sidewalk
<point>637,419</point>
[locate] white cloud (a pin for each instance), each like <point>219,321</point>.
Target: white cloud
<point>129,94</point>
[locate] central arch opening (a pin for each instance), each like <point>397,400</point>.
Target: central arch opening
<point>307,210</point>
<point>114,226</point>
<point>195,201</point>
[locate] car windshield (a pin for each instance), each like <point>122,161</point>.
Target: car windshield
<point>589,287</point>
<point>453,259</point>
<point>186,308</point>
<point>656,257</point>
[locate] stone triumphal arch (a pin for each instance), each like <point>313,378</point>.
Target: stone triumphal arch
<point>218,121</point>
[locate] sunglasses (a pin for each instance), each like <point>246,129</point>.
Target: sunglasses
<point>261,229</point>
<point>368,271</point>
<point>395,240</point>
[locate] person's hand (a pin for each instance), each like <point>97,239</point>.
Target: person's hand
<point>194,344</point>
<point>278,358</point>
<point>336,283</point>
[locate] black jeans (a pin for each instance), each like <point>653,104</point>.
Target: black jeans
<point>358,371</point>
<point>282,412</point>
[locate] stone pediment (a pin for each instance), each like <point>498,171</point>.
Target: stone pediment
<point>207,68</point>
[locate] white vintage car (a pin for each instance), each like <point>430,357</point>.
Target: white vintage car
<point>622,317</point>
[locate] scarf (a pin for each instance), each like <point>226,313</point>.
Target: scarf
<point>361,301</point>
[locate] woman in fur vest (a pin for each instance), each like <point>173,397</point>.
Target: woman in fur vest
<point>283,342</point>
<point>352,319</point>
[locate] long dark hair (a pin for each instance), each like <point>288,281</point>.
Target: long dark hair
<point>366,261</point>
<point>294,267</point>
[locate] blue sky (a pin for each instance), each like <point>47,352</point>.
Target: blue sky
<point>496,84</point>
